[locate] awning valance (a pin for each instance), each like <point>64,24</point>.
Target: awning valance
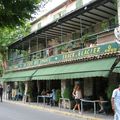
<point>80,70</point>
<point>19,75</point>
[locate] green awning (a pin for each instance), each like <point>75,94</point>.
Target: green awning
<point>80,70</point>
<point>19,75</point>
<point>117,68</point>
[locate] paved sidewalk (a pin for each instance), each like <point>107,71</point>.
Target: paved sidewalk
<point>84,116</point>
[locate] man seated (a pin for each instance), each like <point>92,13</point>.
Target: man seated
<point>43,92</point>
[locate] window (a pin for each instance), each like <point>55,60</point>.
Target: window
<point>39,25</point>
<point>60,14</point>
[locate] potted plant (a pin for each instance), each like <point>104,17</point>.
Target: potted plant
<point>67,94</point>
<point>104,25</point>
<point>58,95</point>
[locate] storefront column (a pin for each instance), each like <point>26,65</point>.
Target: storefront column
<point>38,86</point>
<point>26,88</point>
<point>63,86</point>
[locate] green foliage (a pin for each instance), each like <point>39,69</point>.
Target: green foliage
<point>21,87</point>
<point>84,38</point>
<point>32,91</point>
<point>67,93</point>
<point>104,25</point>
<point>8,36</point>
<point>115,3</point>
<point>58,95</point>
<point>16,12</point>
<point>110,89</point>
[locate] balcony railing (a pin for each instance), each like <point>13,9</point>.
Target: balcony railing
<point>51,51</point>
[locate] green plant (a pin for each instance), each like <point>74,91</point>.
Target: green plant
<point>21,87</point>
<point>67,93</point>
<point>104,25</point>
<point>84,38</point>
<point>109,90</point>
<point>58,95</point>
<point>25,55</point>
<point>32,91</point>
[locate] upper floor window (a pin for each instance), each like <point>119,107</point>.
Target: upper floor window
<point>39,25</point>
<point>60,14</point>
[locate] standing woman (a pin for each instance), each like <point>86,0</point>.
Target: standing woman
<point>78,95</point>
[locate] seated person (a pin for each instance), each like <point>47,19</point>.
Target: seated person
<point>48,92</point>
<point>102,104</point>
<point>43,92</point>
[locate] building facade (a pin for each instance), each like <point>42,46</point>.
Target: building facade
<point>65,48</point>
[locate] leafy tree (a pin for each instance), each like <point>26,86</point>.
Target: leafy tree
<point>16,12</point>
<point>8,36</point>
<point>13,16</point>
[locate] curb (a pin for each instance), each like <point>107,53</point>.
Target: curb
<point>55,111</point>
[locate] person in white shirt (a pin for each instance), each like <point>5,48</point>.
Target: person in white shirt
<point>77,95</point>
<point>115,101</point>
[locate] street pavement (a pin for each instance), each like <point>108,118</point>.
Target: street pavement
<point>10,111</point>
<point>18,110</point>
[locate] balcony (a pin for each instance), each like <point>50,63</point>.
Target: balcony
<point>85,47</point>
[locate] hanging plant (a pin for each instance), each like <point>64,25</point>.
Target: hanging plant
<point>104,25</point>
<point>84,38</point>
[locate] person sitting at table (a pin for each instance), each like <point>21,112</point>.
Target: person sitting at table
<point>48,92</point>
<point>43,92</point>
<point>102,103</point>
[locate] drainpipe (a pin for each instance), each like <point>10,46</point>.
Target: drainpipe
<point>37,43</point>
<point>29,49</point>
<point>61,33</point>
<point>46,42</point>
<point>81,30</point>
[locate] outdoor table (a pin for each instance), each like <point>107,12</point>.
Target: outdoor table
<point>91,101</point>
<point>44,97</point>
